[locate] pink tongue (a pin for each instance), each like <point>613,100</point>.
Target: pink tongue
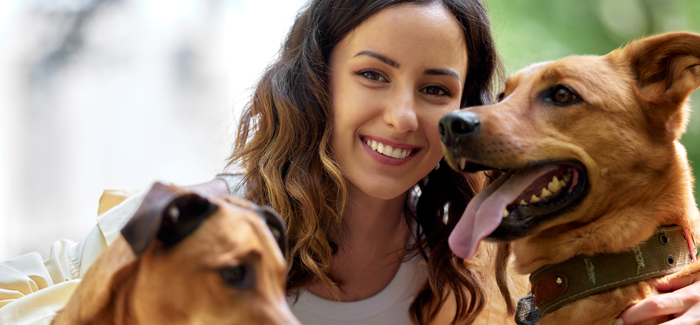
<point>485,211</point>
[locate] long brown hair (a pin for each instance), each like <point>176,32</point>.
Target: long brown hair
<point>283,145</point>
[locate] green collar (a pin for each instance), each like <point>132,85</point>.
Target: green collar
<point>667,251</point>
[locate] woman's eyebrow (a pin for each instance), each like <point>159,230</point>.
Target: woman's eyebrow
<point>394,64</point>
<point>381,57</point>
<point>443,72</point>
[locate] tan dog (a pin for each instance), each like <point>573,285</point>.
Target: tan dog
<point>593,171</point>
<point>184,259</point>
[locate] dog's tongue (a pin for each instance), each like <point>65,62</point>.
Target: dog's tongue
<point>485,211</point>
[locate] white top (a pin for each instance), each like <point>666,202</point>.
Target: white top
<point>389,306</point>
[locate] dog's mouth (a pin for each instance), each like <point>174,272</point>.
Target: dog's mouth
<point>516,203</point>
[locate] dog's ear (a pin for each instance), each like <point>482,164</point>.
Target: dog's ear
<point>667,69</point>
<point>277,227</point>
<point>169,214</point>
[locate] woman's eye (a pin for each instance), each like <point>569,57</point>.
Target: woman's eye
<point>434,90</point>
<point>372,75</point>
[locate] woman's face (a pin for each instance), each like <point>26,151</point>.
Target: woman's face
<point>391,80</point>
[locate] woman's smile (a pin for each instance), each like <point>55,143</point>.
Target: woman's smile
<point>388,152</point>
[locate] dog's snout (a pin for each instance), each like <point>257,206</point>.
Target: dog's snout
<point>459,125</point>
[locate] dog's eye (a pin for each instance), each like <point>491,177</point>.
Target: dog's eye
<point>239,276</point>
<point>562,95</point>
<point>501,96</point>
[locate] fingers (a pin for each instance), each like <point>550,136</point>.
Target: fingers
<point>692,316</point>
<point>666,304</point>
<point>680,321</point>
<point>677,283</point>
<point>682,303</point>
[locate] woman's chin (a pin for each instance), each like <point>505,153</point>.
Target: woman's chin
<point>381,190</point>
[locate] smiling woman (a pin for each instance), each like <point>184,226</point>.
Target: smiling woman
<point>363,85</point>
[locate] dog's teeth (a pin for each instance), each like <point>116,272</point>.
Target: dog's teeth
<point>462,163</point>
<point>567,177</point>
<point>562,183</point>
<point>554,185</point>
<point>505,213</point>
<point>534,199</point>
<point>545,193</point>
<point>522,202</point>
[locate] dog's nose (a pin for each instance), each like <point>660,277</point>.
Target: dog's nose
<point>460,125</point>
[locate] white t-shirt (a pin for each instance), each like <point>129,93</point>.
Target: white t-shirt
<point>389,306</point>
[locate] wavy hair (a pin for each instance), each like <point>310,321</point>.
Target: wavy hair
<point>283,146</point>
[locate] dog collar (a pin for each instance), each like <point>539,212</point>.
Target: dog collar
<point>667,251</point>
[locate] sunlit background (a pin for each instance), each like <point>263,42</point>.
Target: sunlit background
<point>105,94</point>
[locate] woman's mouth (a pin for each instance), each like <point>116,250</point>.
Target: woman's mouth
<point>388,150</point>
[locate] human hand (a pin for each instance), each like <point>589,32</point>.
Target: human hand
<point>680,299</point>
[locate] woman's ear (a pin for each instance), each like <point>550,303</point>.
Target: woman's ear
<point>168,214</point>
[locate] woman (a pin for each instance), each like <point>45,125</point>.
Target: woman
<point>341,138</point>
<point>354,79</point>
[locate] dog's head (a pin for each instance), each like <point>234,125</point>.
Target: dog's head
<point>577,140</point>
<point>208,260</point>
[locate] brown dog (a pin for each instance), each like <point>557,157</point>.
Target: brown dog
<point>596,196</point>
<point>184,259</point>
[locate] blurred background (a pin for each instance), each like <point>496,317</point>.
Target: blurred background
<point>114,94</point>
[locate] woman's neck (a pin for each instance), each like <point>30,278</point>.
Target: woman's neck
<point>370,248</point>
<point>370,218</point>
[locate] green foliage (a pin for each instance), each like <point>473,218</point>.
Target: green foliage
<point>529,31</point>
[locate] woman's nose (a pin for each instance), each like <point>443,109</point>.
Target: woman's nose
<point>400,112</point>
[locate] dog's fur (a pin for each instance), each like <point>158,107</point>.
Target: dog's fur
<point>184,259</point>
<point>623,131</point>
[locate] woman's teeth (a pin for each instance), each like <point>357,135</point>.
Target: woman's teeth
<point>387,150</point>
